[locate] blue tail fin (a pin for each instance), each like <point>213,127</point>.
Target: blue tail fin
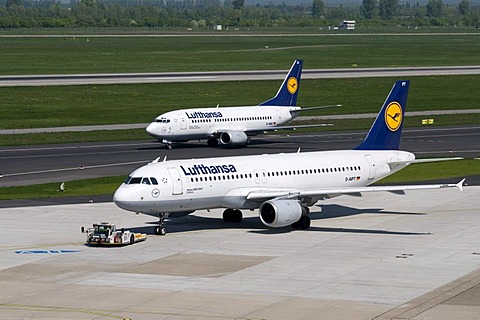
<point>287,94</point>
<point>386,130</point>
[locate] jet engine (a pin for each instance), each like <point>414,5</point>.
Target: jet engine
<point>280,213</point>
<point>233,138</point>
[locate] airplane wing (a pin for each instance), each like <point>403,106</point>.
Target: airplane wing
<point>327,193</point>
<point>253,131</point>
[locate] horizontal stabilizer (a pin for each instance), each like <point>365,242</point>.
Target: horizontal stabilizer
<point>316,108</point>
<point>406,162</point>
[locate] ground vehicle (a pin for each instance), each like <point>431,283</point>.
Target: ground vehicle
<point>107,234</point>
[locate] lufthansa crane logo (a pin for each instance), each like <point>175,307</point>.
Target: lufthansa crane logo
<point>393,116</point>
<point>292,85</point>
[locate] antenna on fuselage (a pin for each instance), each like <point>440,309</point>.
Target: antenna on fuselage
<point>164,159</point>
<point>218,105</point>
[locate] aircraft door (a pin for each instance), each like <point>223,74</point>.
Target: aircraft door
<point>183,123</point>
<point>263,174</point>
<point>176,181</point>
<point>371,167</point>
<point>279,115</point>
<point>260,176</point>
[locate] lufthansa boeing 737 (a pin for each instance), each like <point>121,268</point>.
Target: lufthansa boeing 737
<point>282,186</point>
<point>233,126</point>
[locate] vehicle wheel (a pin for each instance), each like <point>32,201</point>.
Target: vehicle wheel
<point>163,231</point>
<point>296,225</point>
<point>156,230</point>
<point>237,216</point>
<point>228,215</point>
<point>168,146</point>
<point>132,239</point>
<point>212,142</point>
<point>304,223</point>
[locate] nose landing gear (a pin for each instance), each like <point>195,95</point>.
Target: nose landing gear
<point>160,230</point>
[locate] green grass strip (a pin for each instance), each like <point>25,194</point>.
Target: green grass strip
<point>58,106</point>
<point>84,54</point>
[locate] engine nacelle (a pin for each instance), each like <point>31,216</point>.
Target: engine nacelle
<point>280,213</point>
<point>233,137</point>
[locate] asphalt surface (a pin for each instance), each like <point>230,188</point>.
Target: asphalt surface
<point>88,79</point>
<point>53,163</point>
<point>382,256</point>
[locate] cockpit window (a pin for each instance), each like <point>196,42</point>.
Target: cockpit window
<point>135,180</point>
<point>140,180</point>
<point>162,120</point>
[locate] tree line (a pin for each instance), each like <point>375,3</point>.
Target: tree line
<point>203,14</point>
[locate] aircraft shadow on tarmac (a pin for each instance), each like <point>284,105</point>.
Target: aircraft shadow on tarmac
<point>253,144</point>
<point>254,225</point>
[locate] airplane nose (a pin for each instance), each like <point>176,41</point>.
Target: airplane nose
<point>152,129</point>
<point>122,198</point>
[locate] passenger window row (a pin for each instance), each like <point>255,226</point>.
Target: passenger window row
<point>223,177</point>
<point>243,119</point>
<point>276,174</point>
<point>313,171</point>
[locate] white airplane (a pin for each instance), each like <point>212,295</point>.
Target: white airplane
<point>282,186</point>
<point>233,126</point>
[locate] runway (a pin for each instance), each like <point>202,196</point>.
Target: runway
<point>377,257</point>
<point>124,78</point>
<point>54,163</point>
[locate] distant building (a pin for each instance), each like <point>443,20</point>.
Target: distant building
<point>347,24</point>
<point>217,27</point>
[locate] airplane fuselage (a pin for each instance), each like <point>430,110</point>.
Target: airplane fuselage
<point>189,185</point>
<point>204,123</point>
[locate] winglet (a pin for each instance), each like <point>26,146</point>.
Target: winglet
<point>460,184</point>
<point>287,94</point>
<point>386,130</point>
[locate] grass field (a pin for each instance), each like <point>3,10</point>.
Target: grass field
<point>56,106</point>
<point>90,54</point>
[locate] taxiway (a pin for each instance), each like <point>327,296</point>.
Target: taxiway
<point>53,163</point>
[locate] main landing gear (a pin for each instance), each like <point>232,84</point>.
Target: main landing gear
<point>160,229</point>
<point>302,224</point>
<point>212,142</point>
<point>232,215</point>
